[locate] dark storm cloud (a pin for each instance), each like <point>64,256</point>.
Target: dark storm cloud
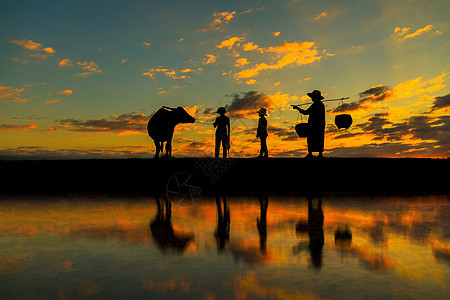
<point>374,91</point>
<point>374,94</point>
<point>247,103</point>
<point>286,134</point>
<point>117,124</point>
<point>348,106</point>
<point>441,102</point>
<point>209,110</point>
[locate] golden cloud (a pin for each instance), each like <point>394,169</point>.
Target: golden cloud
<point>249,46</point>
<point>209,59</point>
<point>219,21</point>
<point>170,73</point>
<point>380,93</point>
<point>229,43</point>
<point>401,33</point>
<point>288,53</point>
<point>241,62</point>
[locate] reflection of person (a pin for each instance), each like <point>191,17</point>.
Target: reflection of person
<point>222,125</point>
<point>316,123</point>
<point>262,134</point>
<point>315,231</point>
<point>222,233</point>
<point>261,223</point>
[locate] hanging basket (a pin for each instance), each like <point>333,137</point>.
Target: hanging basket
<point>302,129</point>
<point>343,121</point>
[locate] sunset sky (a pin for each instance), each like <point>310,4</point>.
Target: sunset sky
<point>80,79</point>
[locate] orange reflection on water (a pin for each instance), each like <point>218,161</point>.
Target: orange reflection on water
<point>282,237</point>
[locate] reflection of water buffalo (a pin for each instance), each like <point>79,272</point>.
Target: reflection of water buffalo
<point>161,125</point>
<point>163,232</point>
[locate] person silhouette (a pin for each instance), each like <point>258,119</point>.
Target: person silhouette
<point>316,123</point>
<point>262,134</point>
<point>222,125</point>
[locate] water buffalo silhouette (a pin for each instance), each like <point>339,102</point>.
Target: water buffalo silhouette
<point>161,125</point>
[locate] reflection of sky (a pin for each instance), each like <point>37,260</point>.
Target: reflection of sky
<point>84,247</point>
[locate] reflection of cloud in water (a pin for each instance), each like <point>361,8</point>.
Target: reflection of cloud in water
<point>249,252</point>
<point>373,261</point>
<point>376,234</point>
<point>248,287</point>
<point>442,255</point>
<point>123,232</point>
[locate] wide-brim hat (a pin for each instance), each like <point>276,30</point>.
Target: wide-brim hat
<point>221,110</point>
<point>263,111</point>
<point>315,95</point>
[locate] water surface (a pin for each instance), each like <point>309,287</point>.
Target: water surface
<point>235,247</point>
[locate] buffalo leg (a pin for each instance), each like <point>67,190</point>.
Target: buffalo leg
<point>158,146</point>
<point>169,148</point>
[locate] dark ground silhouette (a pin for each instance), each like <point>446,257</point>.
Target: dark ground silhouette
<point>238,176</point>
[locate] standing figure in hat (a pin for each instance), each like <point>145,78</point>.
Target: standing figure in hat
<point>316,123</point>
<point>222,125</point>
<point>262,134</point>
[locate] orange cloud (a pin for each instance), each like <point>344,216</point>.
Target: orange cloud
<point>52,101</point>
<point>15,127</point>
<point>90,67</point>
<point>27,44</point>
<point>49,50</point>
<point>322,15</point>
<point>10,94</point>
<point>65,63</point>
<point>34,46</point>
<point>65,92</point>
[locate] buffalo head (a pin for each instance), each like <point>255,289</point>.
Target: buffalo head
<point>181,116</point>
